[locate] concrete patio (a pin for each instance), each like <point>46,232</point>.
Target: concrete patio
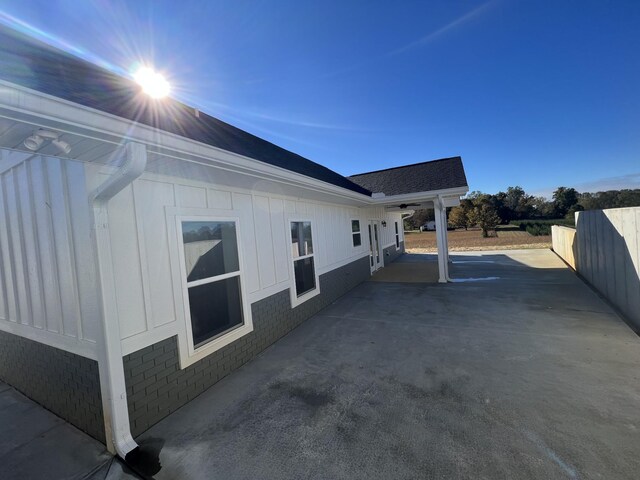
<point>409,268</point>
<point>522,373</point>
<point>35,444</point>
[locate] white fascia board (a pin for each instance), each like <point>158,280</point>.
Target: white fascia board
<point>451,201</point>
<point>30,106</point>
<point>420,196</point>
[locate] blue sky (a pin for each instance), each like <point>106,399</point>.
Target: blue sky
<point>532,93</point>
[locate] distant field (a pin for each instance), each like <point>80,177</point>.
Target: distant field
<point>465,240</point>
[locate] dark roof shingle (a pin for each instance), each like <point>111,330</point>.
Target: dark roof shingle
<point>419,177</point>
<point>38,66</point>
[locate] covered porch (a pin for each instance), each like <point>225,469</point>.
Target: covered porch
<point>422,268</point>
<point>437,185</point>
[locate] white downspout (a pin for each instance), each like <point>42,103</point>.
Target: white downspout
<point>407,216</point>
<point>402,219</point>
<point>112,382</point>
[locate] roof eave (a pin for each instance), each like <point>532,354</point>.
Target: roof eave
<point>419,197</point>
<point>41,109</point>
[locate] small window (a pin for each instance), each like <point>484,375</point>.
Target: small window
<point>397,237</point>
<point>355,233</point>
<point>303,257</point>
<point>213,278</point>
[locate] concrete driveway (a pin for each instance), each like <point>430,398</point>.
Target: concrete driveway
<point>523,373</point>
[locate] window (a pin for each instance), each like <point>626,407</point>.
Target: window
<point>213,279</point>
<point>355,232</point>
<point>397,237</point>
<point>371,247</point>
<point>303,258</point>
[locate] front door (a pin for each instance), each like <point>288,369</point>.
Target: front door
<point>375,257</point>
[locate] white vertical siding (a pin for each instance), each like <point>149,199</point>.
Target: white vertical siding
<point>219,199</point>
<point>188,196</point>
<point>144,240</point>
<point>47,270</point>
<point>243,206</point>
<point>150,200</point>
<point>264,241</point>
<point>127,265</point>
<point>278,234</point>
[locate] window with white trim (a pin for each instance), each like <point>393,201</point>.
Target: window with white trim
<point>355,233</point>
<point>213,279</point>
<point>303,258</point>
<point>397,236</point>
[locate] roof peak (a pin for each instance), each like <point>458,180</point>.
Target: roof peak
<point>457,157</point>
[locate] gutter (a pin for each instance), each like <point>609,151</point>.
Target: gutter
<point>429,195</point>
<point>112,382</point>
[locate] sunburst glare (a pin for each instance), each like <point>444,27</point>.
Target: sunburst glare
<point>152,82</point>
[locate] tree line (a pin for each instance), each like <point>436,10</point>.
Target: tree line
<point>487,211</point>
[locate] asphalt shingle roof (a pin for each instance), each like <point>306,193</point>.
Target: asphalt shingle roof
<point>33,64</point>
<point>419,177</point>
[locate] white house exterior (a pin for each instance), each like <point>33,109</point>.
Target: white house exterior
<point>139,266</point>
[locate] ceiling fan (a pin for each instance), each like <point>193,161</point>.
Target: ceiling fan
<point>404,206</point>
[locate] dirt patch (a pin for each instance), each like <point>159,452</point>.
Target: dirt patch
<point>472,240</point>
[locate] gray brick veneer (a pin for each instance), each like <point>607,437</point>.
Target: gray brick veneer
<point>155,384</point>
<point>390,253</point>
<point>62,382</point>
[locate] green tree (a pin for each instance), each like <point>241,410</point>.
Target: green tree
<point>571,214</point>
<point>610,199</point>
<point>563,199</point>
<point>459,218</point>
<point>540,207</point>
<point>484,214</point>
<point>518,202</point>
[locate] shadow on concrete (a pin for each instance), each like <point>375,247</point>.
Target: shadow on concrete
<point>409,268</point>
<point>464,267</point>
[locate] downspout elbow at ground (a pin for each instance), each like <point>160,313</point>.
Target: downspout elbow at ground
<point>112,380</point>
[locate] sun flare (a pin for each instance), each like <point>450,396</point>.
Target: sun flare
<point>152,83</point>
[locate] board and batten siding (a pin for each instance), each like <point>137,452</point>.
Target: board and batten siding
<point>47,267</point>
<point>144,232</point>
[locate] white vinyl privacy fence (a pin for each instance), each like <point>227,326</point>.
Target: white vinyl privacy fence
<point>605,250</point>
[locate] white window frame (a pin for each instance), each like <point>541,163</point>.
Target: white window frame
<point>353,234</point>
<point>375,225</point>
<point>225,338</point>
<point>295,299</point>
<point>397,234</point>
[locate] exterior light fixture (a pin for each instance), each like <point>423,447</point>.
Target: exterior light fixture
<point>61,145</point>
<point>152,83</point>
<point>384,223</point>
<point>35,141</point>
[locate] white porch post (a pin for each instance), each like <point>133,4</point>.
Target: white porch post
<point>445,232</point>
<point>441,239</point>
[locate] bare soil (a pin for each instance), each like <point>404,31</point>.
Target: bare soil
<point>470,240</point>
